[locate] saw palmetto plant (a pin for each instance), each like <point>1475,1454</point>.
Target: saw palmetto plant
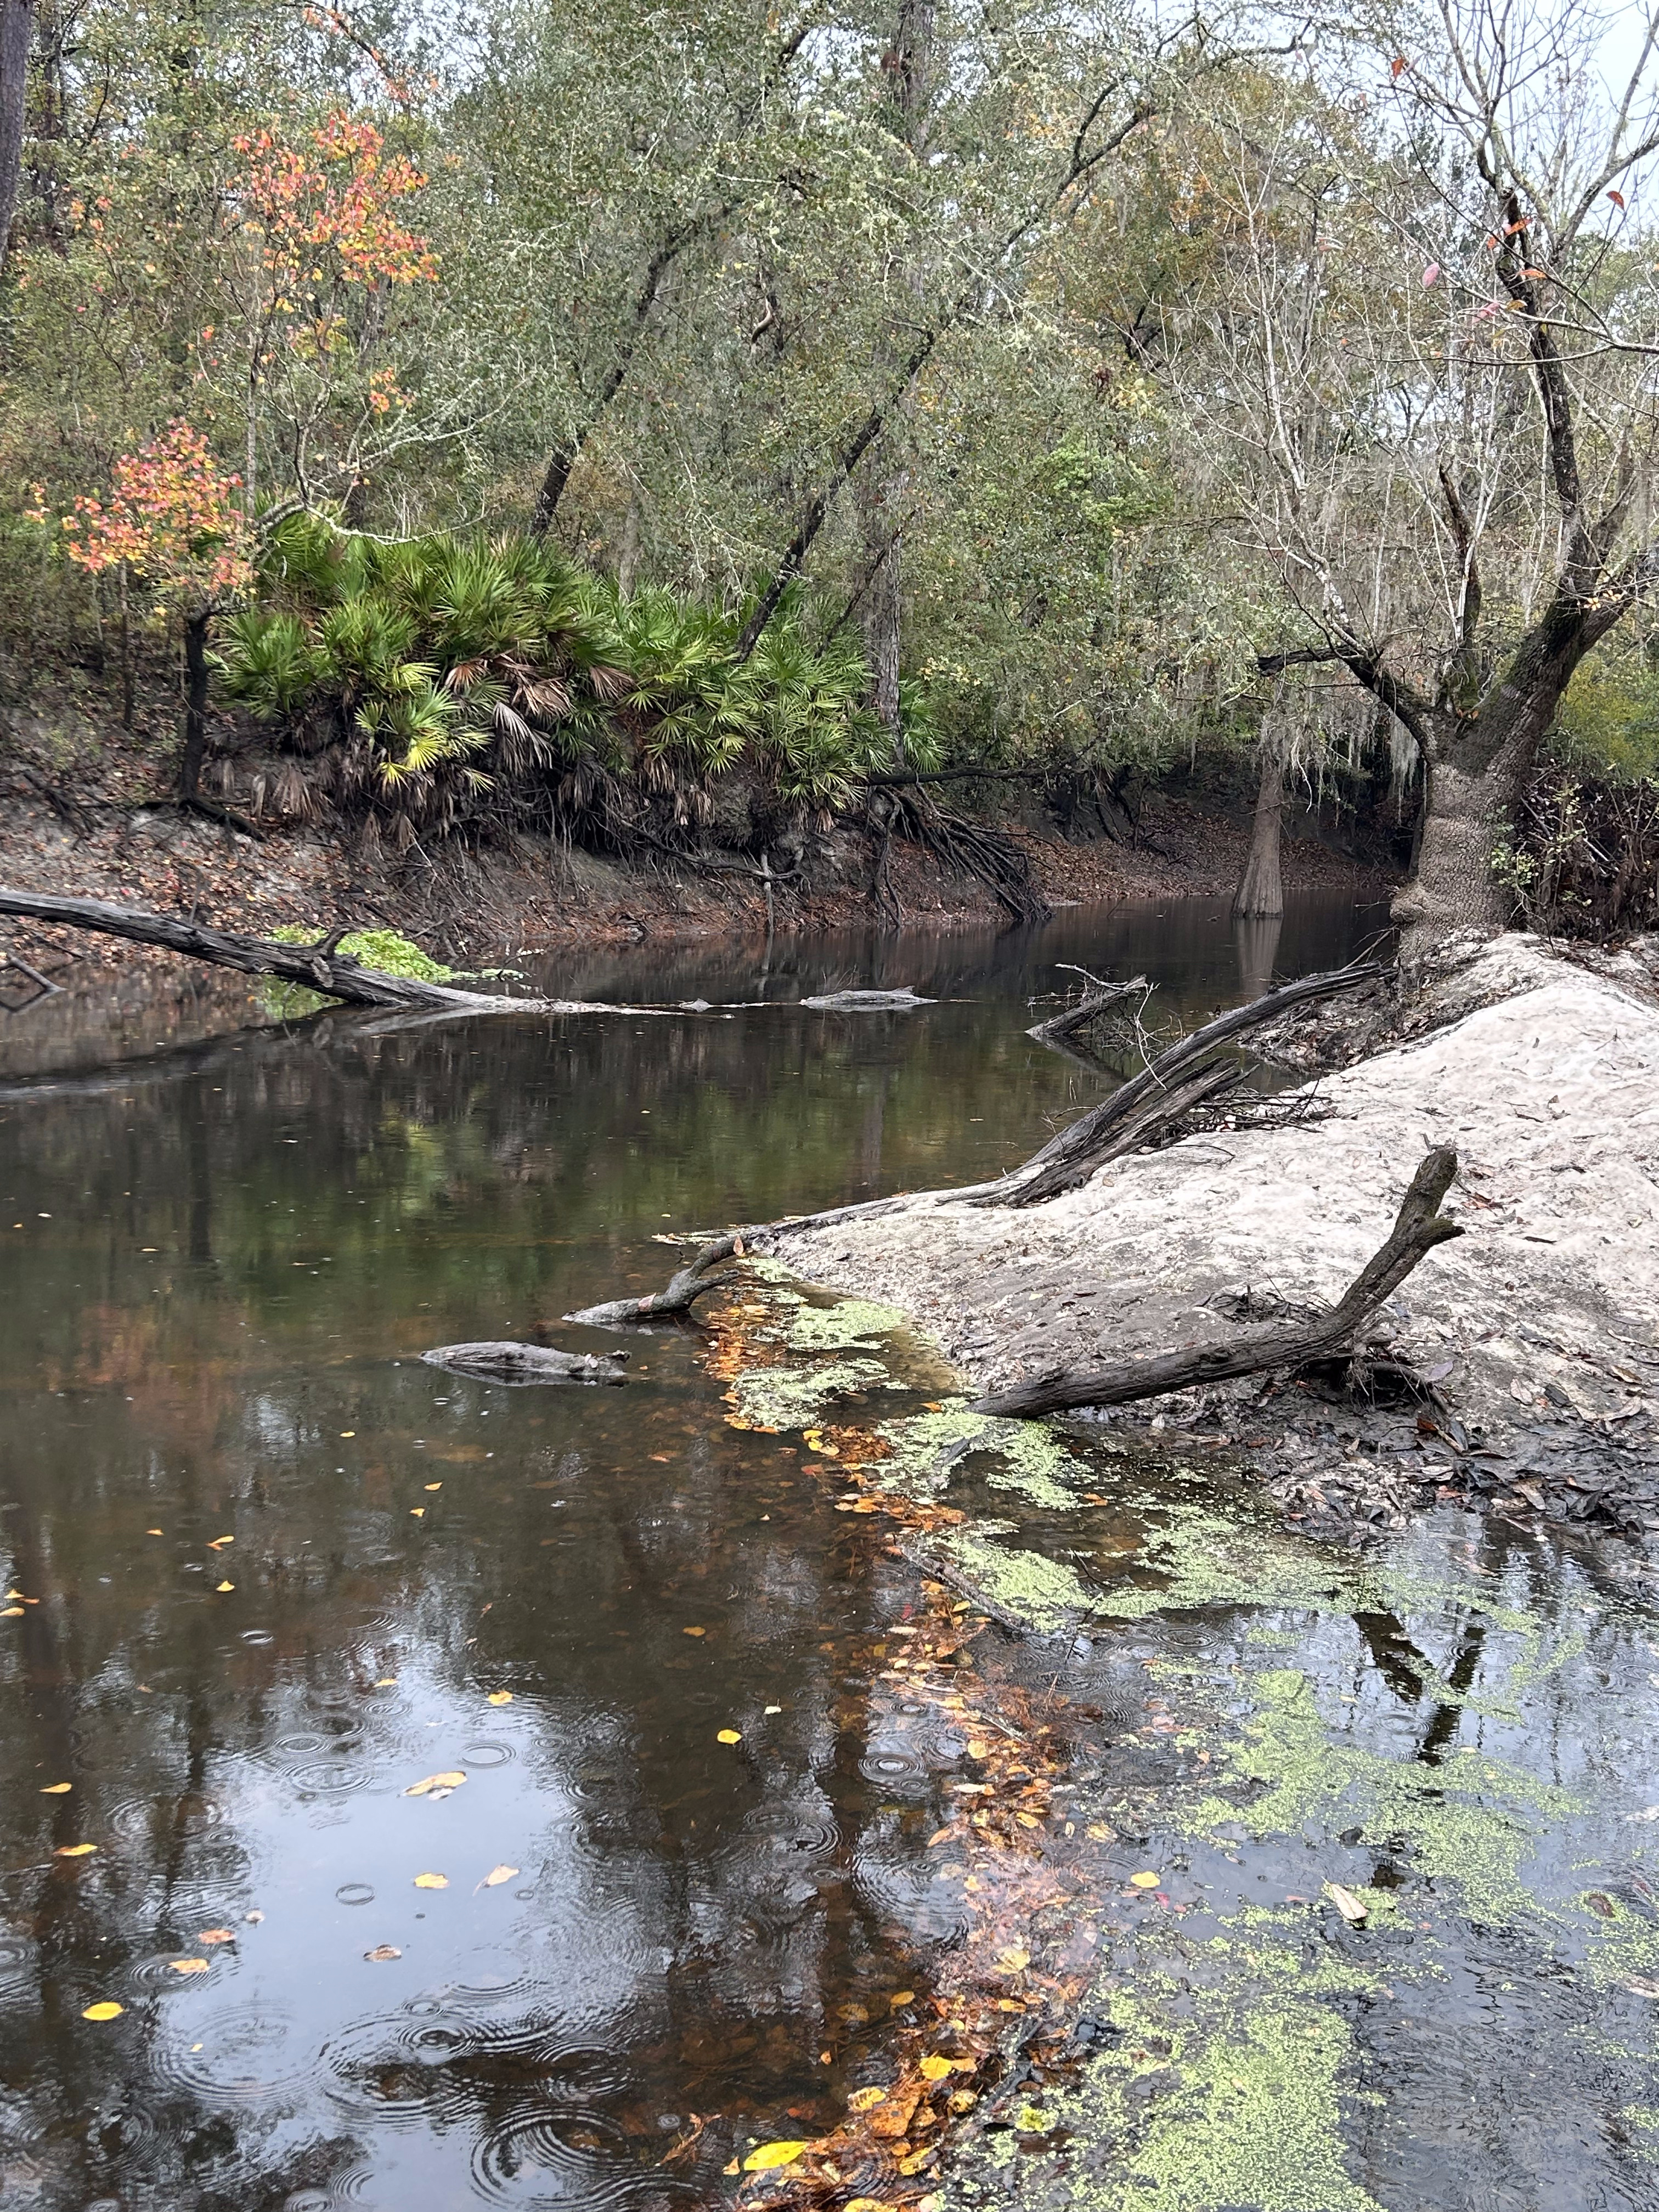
<point>453,678</point>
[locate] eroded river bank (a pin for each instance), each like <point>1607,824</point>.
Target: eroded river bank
<point>808,1762</point>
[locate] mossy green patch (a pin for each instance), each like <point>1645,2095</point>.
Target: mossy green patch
<point>1471,1819</point>
<point>1046,1595</point>
<point>849,1324</point>
<point>1031,1459</point>
<point>1220,2092</point>
<point>791,1397</point>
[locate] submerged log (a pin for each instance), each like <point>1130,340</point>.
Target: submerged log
<point>528,1363</point>
<point>1418,1227</point>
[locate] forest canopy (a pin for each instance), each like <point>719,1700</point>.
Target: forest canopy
<point>535,413</point>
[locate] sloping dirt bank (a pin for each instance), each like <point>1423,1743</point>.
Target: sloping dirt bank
<point>468,906</point>
<point>1539,1326</point>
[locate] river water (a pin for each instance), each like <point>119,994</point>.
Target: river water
<point>268,1574</point>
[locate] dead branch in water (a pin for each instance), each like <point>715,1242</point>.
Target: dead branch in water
<point>1418,1227</point>
<point>1071,1158</point>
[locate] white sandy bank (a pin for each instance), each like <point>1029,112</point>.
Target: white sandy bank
<point>1546,1080</point>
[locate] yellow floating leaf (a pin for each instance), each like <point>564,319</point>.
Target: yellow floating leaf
<point>216,1936</point>
<point>386,1682</point>
<point>108,2009</point>
<point>56,1788</point>
<point>499,1698</point>
<point>694,1631</point>
<point>916,2160</point>
<point>432,1881</point>
<point>417,1512</point>
<point>937,2069</point>
<point>862,2100</point>
<point>1145,1881</point>
<point>188,1966</point>
<point>347,1433</point>
<point>901,1997</point>
<point>435,1782</point>
<point>224,1586</point>
<point>432,1485</point>
<point>155,1532</point>
<point>12,1613</point>
<point>496,1876</point>
<point>1354,1910</point>
<point>1013,1960</point>
<point>733,2168</point>
<point>868,2204</point>
<point>729,1735</point>
<point>773,2154</point>
<point>977,1750</point>
<point>74,1850</point>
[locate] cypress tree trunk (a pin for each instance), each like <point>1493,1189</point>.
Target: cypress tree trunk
<point>16,35</point>
<point>1260,889</point>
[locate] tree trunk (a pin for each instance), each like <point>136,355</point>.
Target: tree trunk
<point>882,609</point>
<point>1261,890</point>
<point>1453,886</point>
<point>195,701</point>
<point>16,36</point>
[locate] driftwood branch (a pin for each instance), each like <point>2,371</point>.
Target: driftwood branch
<point>1418,1227</point>
<point>683,1290</point>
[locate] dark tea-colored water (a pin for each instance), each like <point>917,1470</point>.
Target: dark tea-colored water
<point>268,1575</point>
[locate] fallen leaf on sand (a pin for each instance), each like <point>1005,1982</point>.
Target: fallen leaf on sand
<point>452,1781</point>
<point>729,1735</point>
<point>432,1881</point>
<point>188,1966</point>
<point>74,1850</point>
<point>382,1951</point>
<point>496,1876</point>
<point>1145,1881</point>
<point>1354,1910</point>
<point>216,1936</point>
<point>56,1788</point>
<point>106,2010</point>
<point>499,1698</point>
<point>773,2154</point>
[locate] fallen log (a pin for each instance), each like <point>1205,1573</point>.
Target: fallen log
<point>1418,1227</point>
<point>1072,1156</point>
<point>310,965</point>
